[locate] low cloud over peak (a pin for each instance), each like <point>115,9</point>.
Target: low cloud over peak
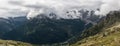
<point>31,8</point>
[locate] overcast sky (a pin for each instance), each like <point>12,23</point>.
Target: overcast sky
<point>15,8</point>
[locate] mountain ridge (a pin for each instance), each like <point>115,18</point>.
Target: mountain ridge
<point>107,31</point>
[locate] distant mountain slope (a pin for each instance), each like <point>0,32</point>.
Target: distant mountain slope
<point>47,30</point>
<point>105,33</point>
<point>8,24</point>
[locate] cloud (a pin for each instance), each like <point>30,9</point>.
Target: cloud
<point>31,8</point>
<point>109,5</point>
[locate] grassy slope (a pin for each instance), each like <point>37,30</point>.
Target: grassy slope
<point>109,36</point>
<point>13,43</point>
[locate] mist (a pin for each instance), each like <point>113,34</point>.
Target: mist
<point>31,8</point>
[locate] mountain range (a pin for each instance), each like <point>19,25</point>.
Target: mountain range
<point>106,33</point>
<point>8,24</point>
<point>47,29</point>
<point>86,30</point>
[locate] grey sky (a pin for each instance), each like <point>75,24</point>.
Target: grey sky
<point>31,8</point>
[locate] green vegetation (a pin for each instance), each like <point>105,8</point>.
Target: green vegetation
<point>108,37</point>
<point>105,33</point>
<point>46,31</point>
